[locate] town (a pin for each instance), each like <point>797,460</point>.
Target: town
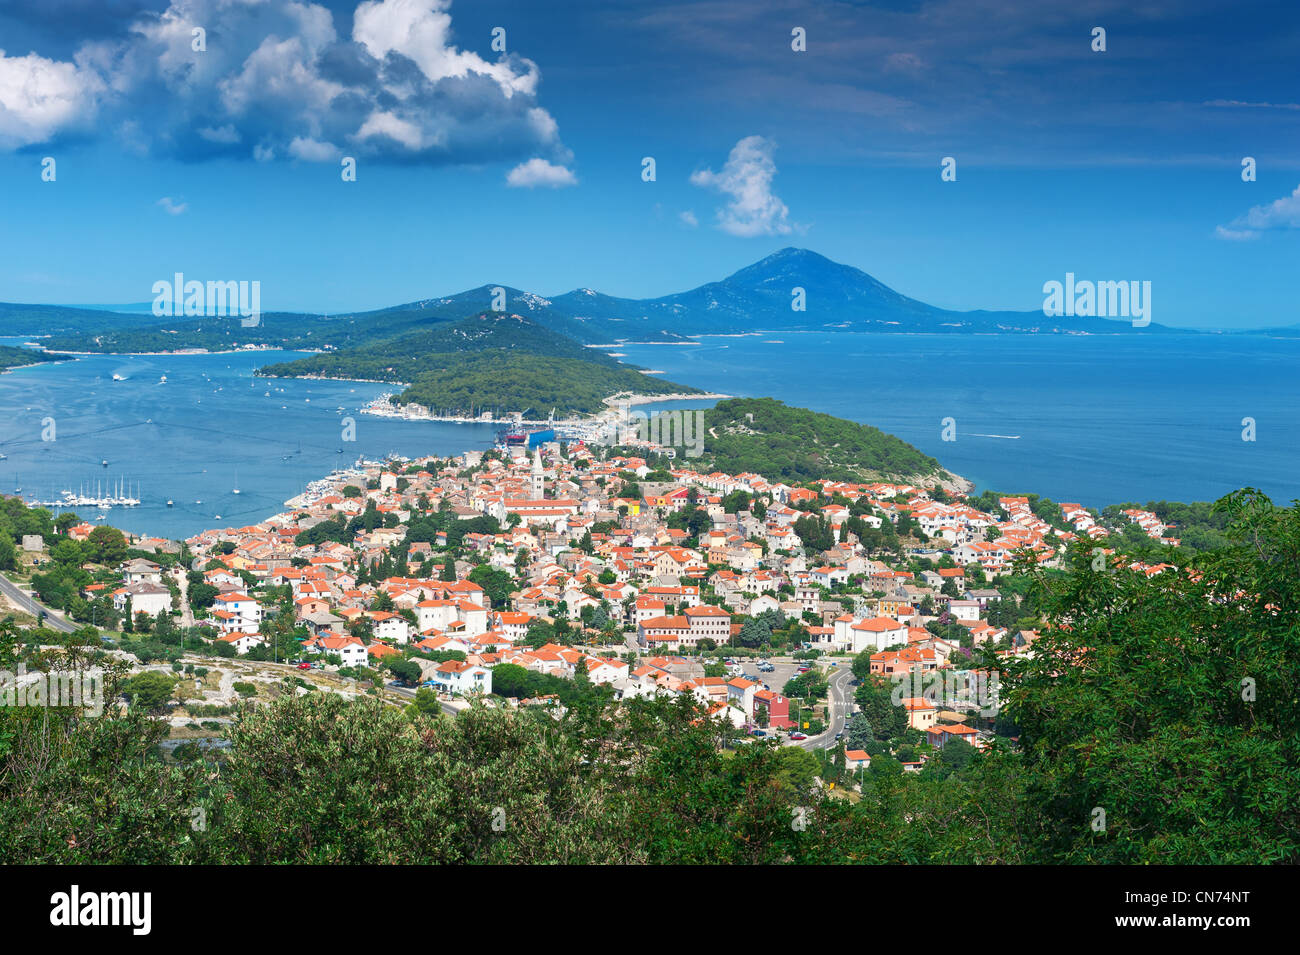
<point>520,576</point>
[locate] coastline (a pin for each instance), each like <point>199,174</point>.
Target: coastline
<point>383,407</point>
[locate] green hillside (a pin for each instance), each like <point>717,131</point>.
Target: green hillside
<point>15,357</point>
<point>796,445</point>
<point>508,381</point>
<point>488,362</point>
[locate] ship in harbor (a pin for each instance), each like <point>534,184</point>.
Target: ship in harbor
<point>520,437</point>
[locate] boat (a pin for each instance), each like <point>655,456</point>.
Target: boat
<point>169,503</point>
<point>117,377</point>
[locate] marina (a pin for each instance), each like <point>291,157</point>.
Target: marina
<point>116,496</point>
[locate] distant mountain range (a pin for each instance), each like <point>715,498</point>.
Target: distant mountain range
<point>756,298</point>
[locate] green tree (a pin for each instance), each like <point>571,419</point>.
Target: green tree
<point>149,691</point>
<point>106,545</point>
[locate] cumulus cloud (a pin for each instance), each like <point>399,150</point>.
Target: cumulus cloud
<point>171,206</point>
<point>539,172</point>
<point>747,178</point>
<point>1279,214</point>
<point>687,217</point>
<point>40,97</point>
<point>283,80</point>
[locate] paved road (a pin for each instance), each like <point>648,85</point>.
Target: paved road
<point>20,598</point>
<point>839,696</point>
<point>410,694</point>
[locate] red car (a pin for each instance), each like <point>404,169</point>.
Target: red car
<point>304,666</point>
<point>798,735</point>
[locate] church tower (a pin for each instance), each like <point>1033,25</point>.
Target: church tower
<point>539,480</point>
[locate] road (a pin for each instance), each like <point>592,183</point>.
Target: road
<point>20,598</point>
<point>410,694</point>
<point>839,697</point>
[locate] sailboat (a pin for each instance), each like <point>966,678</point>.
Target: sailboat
<point>236,488</point>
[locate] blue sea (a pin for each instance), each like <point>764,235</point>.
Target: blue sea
<point>209,429</point>
<point>1095,420</point>
<point>1092,419</point>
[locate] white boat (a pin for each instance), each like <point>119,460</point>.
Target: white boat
<point>119,378</point>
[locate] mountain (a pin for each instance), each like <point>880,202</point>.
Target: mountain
<point>758,297</point>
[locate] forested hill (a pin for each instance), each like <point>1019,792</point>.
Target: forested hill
<point>795,445</point>
<point>405,357</point>
<point>14,357</point>
<point>488,362</point>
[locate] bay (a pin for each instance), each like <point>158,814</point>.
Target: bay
<point>210,428</point>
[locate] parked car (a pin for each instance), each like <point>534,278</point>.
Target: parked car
<point>798,735</point>
<point>758,732</point>
<point>304,666</point>
<point>805,668</point>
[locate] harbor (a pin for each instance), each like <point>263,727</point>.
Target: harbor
<point>119,495</point>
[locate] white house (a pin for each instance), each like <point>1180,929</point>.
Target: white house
<point>142,598</point>
<point>245,612</point>
<point>349,649</point>
<point>466,679</point>
<point>390,626</point>
<point>242,642</point>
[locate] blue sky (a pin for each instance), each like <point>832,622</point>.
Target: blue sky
<point>224,164</point>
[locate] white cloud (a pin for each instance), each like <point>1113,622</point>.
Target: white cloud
<point>312,150</point>
<point>688,218</point>
<point>1281,213</point>
<point>747,178</point>
<point>421,30</point>
<point>40,98</point>
<point>393,127</point>
<point>1241,104</point>
<point>172,207</point>
<point>282,80</point>
<point>1234,235</point>
<point>539,172</point>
